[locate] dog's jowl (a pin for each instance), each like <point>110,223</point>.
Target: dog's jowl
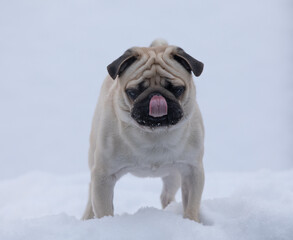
<point>147,123</point>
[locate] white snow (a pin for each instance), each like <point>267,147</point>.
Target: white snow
<point>256,205</point>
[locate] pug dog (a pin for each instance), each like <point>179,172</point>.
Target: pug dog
<point>147,123</point>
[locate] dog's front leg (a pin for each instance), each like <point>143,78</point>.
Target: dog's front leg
<point>192,186</point>
<point>102,192</point>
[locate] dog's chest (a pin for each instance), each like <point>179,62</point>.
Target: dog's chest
<point>152,154</point>
<point>153,158</point>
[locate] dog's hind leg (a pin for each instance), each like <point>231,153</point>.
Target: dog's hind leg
<point>88,213</point>
<point>171,184</point>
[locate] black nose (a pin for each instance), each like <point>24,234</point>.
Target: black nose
<point>154,94</point>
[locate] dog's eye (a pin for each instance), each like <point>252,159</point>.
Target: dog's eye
<point>178,91</point>
<point>132,93</point>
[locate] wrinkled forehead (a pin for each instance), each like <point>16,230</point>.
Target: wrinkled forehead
<point>155,63</point>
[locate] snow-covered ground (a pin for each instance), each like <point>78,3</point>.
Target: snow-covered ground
<point>256,205</point>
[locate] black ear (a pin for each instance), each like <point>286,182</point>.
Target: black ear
<point>117,67</point>
<point>188,62</point>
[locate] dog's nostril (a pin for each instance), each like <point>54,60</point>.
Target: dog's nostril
<point>154,94</point>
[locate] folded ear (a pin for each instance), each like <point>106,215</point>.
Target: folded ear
<point>188,62</point>
<point>117,67</point>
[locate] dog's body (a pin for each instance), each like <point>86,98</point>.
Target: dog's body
<point>145,125</point>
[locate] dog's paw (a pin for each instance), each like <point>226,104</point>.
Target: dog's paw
<point>166,199</point>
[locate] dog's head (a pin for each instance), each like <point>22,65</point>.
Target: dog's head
<point>155,85</point>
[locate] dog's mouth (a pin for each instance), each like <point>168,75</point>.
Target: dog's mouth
<point>157,111</point>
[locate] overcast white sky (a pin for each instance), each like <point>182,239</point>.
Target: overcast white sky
<point>54,56</point>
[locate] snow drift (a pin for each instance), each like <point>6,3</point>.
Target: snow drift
<point>255,205</point>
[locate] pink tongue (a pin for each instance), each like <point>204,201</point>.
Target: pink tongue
<point>158,106</point>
